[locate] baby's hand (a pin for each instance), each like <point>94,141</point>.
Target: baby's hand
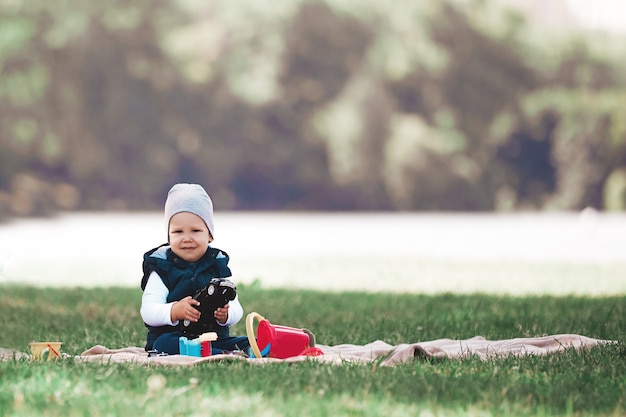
<point>221,314</point>
<point>185,310</point>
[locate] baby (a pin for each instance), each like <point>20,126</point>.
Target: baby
<point>175,271</point>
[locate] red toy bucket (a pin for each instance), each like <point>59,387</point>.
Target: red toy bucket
<point>279,341</point>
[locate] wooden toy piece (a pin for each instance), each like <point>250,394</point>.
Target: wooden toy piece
<point>39,349</point>
<point>208,337</point>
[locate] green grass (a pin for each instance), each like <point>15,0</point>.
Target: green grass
<point>573,383</point>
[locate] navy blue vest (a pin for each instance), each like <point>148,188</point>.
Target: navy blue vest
<point>183,279</point>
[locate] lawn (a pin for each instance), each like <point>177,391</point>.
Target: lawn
<point>572,383</point>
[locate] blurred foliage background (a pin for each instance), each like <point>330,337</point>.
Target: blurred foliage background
<point>306,105</point>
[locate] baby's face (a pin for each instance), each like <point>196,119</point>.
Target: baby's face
<point>188,236</point>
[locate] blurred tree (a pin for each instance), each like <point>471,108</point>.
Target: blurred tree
<point>323,50</point>
<point>584,150</point>
<point>457,104</point>
<point>308,104</point>
<point>285,163</point>
<point>524,163</point>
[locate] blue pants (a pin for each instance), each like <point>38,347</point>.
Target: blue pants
<point>168,343</point>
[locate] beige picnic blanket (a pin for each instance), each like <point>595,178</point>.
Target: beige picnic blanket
<point>378,351</point>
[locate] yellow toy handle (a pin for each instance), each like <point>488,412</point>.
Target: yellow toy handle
<point>250,330</point>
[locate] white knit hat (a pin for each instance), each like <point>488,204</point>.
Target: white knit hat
<point>190,198</point>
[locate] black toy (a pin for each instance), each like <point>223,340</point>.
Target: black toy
<point>217,293</point>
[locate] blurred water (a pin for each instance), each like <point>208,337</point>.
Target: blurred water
<point>513,253</point>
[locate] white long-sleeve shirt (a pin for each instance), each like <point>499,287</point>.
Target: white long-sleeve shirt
<point>156,311</point>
